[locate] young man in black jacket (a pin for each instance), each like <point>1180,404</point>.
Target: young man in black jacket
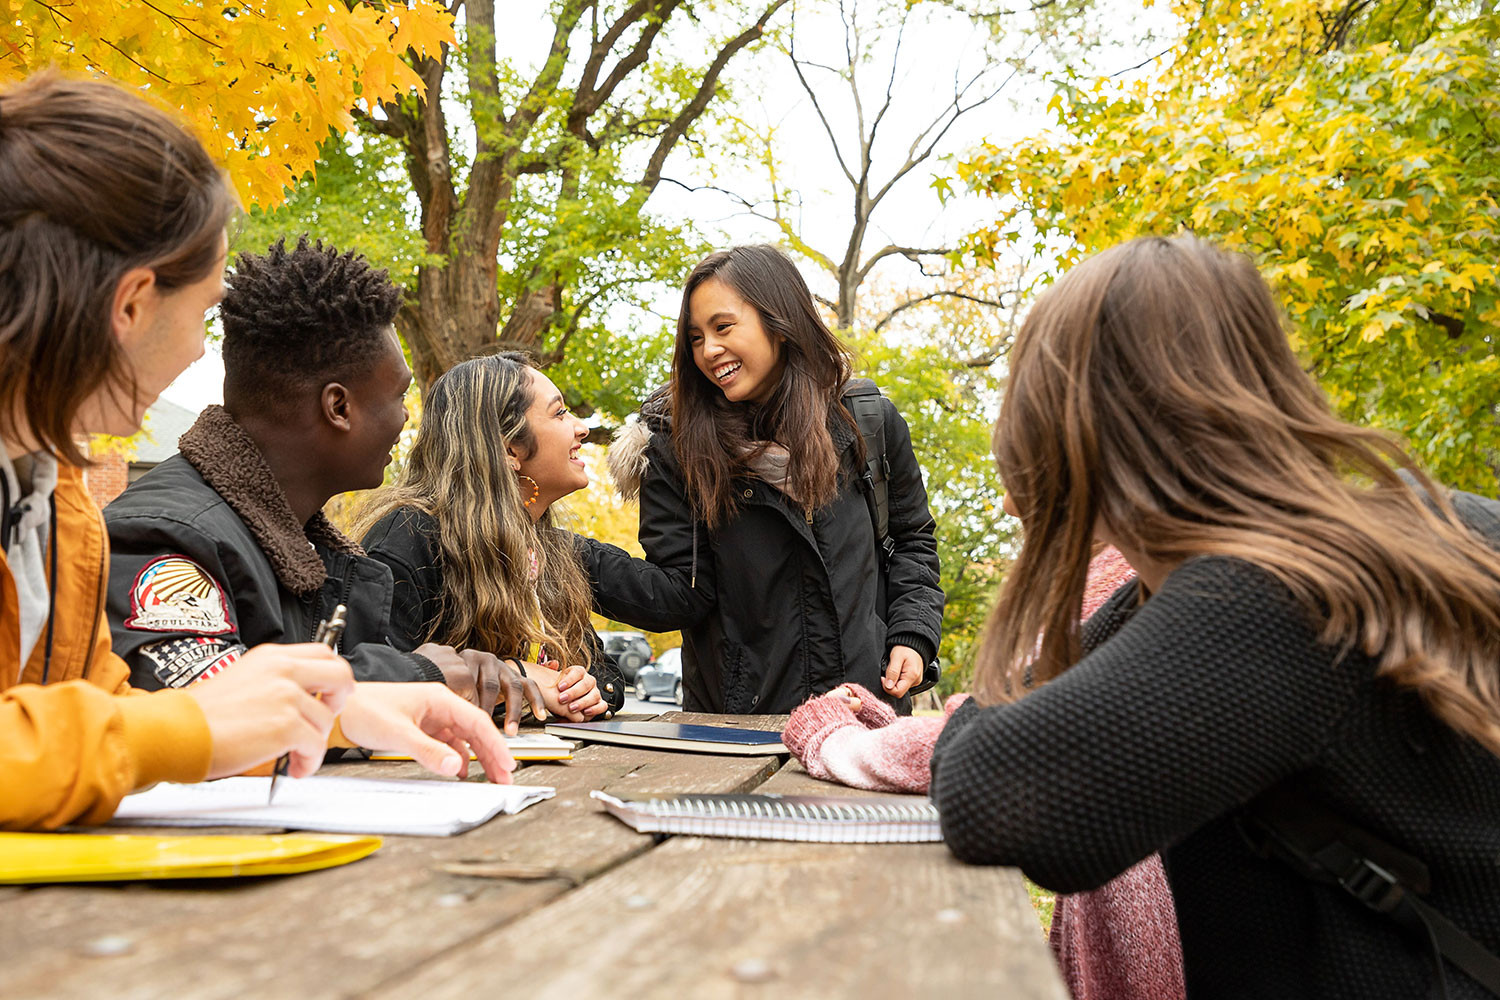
<point>225,545</point>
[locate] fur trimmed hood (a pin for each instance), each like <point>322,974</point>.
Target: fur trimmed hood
<point>626,458</point>
<point>229,461</point>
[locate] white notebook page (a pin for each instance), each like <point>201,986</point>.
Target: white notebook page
<point>335,805</point>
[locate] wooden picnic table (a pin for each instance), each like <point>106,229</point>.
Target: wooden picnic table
<point>561,900</point>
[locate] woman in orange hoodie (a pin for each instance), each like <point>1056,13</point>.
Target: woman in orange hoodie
<point>112,246</point>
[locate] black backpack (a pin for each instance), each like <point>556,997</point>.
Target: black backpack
<point>862,396</point>
<point>863,399</point>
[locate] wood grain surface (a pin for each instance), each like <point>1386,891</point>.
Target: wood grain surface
<point>561,900</point>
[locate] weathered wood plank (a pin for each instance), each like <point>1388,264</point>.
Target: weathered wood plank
<point>338,932</point>
<point>714,918</point>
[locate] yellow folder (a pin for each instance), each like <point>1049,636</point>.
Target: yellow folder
<point>78,857</point>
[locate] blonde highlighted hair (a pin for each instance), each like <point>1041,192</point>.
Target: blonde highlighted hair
<point>457,472</point>
<point>1153,395</point>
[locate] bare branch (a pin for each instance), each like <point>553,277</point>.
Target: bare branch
<point>589,97</point>
<point>813,97</point>
<point>940,294</point>
<point>602,45</point>
<point>890,83</point>
<point>910,253</point>
<point>953,112</point>
<point>388,125</point>
<point>705,93</point>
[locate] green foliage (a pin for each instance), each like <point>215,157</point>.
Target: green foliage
<point>943,402</point>
<point>1043,902</point>
<point>1352,150</point>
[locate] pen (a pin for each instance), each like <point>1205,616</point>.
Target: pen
<point>328,633</point>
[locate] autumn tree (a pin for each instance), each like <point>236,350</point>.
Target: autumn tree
<point>529,180</point>
<point>262,82</point>
<point>1350,147</point>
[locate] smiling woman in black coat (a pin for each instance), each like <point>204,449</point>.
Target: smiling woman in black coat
<point>756,517</point>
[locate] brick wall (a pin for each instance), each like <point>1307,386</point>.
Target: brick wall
<point>107,477</point>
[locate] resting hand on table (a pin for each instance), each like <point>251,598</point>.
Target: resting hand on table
<point>572,693</point>
<point>429,723</point>
<point>486,680</point>
<point>268,704</point>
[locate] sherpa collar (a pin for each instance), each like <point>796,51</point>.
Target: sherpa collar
<point>228,460</point>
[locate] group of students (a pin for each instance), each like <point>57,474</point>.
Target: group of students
<point>1304,616</point>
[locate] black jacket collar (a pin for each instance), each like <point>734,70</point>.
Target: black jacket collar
<point>228,460</point>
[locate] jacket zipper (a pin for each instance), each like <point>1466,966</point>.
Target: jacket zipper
<point>318,618</point>
<point>103,588</point>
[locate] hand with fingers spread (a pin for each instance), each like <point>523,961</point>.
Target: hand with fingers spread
<point>519,688</point>
<point>485,680</point>
<point>902,671</point>
<point>268,704</point>
<point>431,724</point>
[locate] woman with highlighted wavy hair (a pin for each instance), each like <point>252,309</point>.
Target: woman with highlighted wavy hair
<point>1297,702</point>
<point>470,532</point>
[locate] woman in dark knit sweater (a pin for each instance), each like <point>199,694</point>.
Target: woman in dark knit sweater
<point>1305,620</point>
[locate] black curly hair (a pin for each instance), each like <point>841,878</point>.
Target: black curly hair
<point>295,320</point>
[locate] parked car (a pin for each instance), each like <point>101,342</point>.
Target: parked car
<point>630,650</point>
<point>661,679</point>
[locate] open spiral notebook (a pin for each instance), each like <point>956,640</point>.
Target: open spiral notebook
<point>818,818</point>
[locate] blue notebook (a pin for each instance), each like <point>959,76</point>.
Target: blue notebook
<point>675,736</point>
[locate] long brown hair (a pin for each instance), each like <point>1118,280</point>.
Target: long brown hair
<point>457,473</point>
<point>1153,394</point>
<point>712,437</point>
<point>94,182</point>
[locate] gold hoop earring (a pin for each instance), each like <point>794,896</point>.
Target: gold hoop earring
<point>536,489</point>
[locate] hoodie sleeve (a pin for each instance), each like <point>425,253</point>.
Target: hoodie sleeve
<point>70,752</point>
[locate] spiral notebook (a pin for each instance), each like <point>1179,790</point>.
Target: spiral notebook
<point>817,818</point>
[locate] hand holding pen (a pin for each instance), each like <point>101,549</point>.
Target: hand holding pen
<point>328,633</point>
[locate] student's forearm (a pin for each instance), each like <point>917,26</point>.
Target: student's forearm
<point>375,662</point>
<point>645,595</point>
<point>70,752</point>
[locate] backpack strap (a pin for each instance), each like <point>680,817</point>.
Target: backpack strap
<point>1322,846</point>
<point>862,396</point>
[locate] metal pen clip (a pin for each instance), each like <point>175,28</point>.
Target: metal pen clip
<point>328,632</point>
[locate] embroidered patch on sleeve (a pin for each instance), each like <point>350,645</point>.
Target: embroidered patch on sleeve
<point>189,659</point>
<point>175,594</point>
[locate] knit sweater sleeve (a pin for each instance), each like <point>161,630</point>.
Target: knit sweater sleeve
<point>1215,689</point>
<point>873,748</point>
